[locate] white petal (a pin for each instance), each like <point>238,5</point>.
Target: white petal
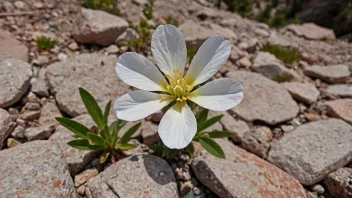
<point>139,72</point>
<point>210,57</point>
<point>169,48</point>
<point>218,95</point>
<point>178,126</point>
<point>136,105</point>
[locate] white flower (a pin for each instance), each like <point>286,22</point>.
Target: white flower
<point>178,126</point>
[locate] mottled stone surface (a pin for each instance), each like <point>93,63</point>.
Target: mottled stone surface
<point>48,114</point>
<point>11,47</point>
<point>6,126</point>
<point>264,99</point>
<point>257,141</point>
<point>313,150</point>
<point>342,90</point>
<point>305,92</point>
<point>231,124</point>
<point>341,108</point>
<point>149,133</point>
<point>244,175</point>
<point>311,31</point>
<point>194,34</point>
<point>35,169</point>
<point>93,72</point>
<point>97,27</point>
<point>84,176</point>
<point>330,74</point>
<point>14,78</point>
<point>338,183</point>
<point>135,176</point>
<point>76,159</point>
<point>39,133</point>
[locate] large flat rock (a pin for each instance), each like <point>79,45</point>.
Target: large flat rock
<point>264,99</point>
<point>35,169</point>
<point>135,176</point>
<point>305,92</point>
<point>313,150</point>
<point>11,47</point>
<point>244,175</point>
<point>330,74</point>
<point>14,79</point>
<point>94,72</point>
<point>341,108</point>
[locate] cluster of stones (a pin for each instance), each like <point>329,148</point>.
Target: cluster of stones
<point>287,135</point>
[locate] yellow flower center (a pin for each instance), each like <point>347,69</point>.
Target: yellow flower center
<point>177,86</point>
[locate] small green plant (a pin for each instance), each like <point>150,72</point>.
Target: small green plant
<point>191,52</point>
<point>243,7</point>
<point>204,138</point>
<point>107,140</point>
<point>143,42</point>
<point>171,20</point>
<point>148,10</point>
<point>105,5</point>
<point>296,20</point>
<point>45,43</point>
<point>286,55</point>
<point>281,78</point>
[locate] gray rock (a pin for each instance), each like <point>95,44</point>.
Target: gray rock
<point>341,109</point>
<point>311,31</point>
<point>97,27</point>
<point>318,188</point>
<point>18,132</point>
<point>14,77</point>
<point>218,30</point>
<point>76,159</point>
<point>39,133</point>
<point>305,92</point>
<point>271,67</point>
<point>238,127</point>
<point>84,176</point>
<point>94,72</point>
<point>338,183</point>
<point>150,133</point>
<point>48,114</point>
<point>194,34</point>
<point>330,74</point>
<point>35,169</point>
<point>30,115</point>
<point>313,150</point>
<point>243,174</point>
<point>6,126</point>
<point>264,99</point>
<point>11,47</point>
<point>129,35</point>
<point>135,176</point>
<point>257,141</point>
<point>39,87</point>
<point>342,90</point>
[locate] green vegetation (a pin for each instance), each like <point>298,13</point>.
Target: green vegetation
<point>191,52</point>
<point>106,140</point>
<point>243,7</point>
<point>105,5</point>
<point>143,42</point>
<point>45,43</point>
<point>281,78</point>
<point>171,20</point>
<point>148,10</point>
<point>206,139</point>
<point>286,55</point>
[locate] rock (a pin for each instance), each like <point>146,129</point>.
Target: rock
<point>304,92</point>
<point>96,74</point>
<point>340,108</point>
<point>218,30</point>
<point>12,48</point>
<point>30,115</point>
<point>245,62</point>
<point>194,34</point>
<point>35,169</point>
<point>318,188</point>
<point>127,127</point>
<point>330,74</point>
<point>14,77</point>
<point>129,35</point>
<point>39,133</point>
<point>112,49</point>
<point>243,174</point>
<point>264,99</point>
<point>73,46</point>
<point>287,128</point>
<point>31,106</point>
<point>312,116</point>
<point>257,141</point>
<point>76,159</point>
<point>12,143</point>
<point>231,124</point>
<point>271,67</point>
<point>149,133</point>
<point>18,132</point>
<point>341,90</point>
<point>311,31</point>
<point>97,27</point>
<point>62,56</point>
<point>83,177</point>
<point>6,126</point>
<point>312,150</point>
<point>81,190</point>
<point>48,114</point>
<point>339,182</point>
<point>135,176</point>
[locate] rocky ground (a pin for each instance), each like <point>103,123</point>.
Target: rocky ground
<point>293,137</point>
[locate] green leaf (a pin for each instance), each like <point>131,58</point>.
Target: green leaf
<point>92,107</point>
<point>202,116</point>
<point>97,140</point>
<point>106,112</point>
<point>104,157</point>
<point>77,128</point>
<point>190,148</point>
<point>105,134</point>
<point>219,134</point>
<point>129,133</point>
<point>212,147</point>
<point>115,128</point>
<point>209,122</point>
<point>84,145</point>
<point>125,146</point>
